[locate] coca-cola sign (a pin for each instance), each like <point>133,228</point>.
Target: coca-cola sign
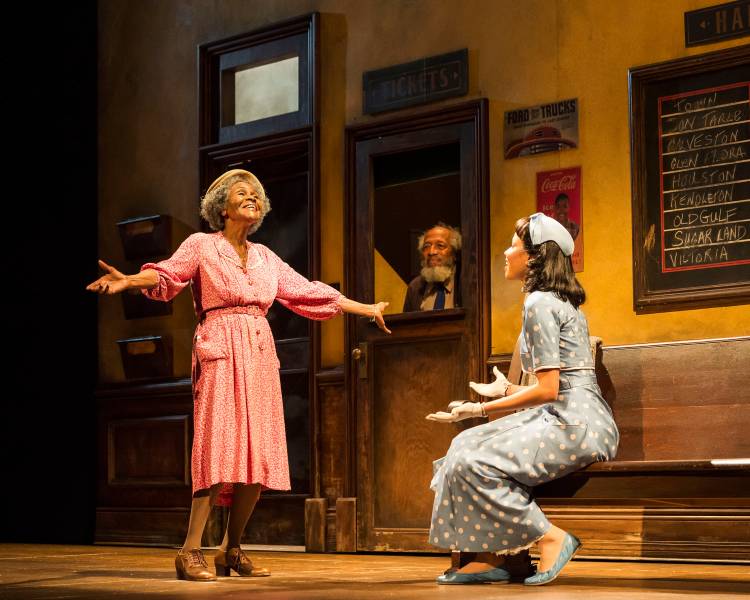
<point>558,195</point>
<point>559,184</point>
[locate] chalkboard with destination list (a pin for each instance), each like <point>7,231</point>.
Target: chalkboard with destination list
<point>690,143</point>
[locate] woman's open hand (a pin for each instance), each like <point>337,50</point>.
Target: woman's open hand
<point>464,410</point>
<point>113,282</point>
<point>377,318</point>
<point>373,311</point>
<point>496,389</point>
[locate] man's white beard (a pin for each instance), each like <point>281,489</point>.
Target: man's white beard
<point>440,273</point>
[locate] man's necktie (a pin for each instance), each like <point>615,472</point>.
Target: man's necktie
<point>439,297</point>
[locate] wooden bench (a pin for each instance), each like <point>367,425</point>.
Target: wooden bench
<point>679,486</point>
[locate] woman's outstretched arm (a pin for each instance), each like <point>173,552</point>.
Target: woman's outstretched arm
<point>114,281</point>
<point>374,311</point>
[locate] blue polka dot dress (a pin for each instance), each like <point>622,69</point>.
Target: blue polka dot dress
<point>483,486</point>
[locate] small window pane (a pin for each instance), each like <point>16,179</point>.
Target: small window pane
<point>266,91</point>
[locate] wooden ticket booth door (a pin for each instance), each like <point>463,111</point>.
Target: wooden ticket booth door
<point>404,175</point>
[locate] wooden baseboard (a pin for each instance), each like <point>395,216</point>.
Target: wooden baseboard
<point>658,533</point>
<point>141,526</point>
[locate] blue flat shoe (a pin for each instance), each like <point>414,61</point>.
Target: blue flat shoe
<point>570,546</point>
<point>496,575</point>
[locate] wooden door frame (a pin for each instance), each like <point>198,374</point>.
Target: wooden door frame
<point>476,113</point>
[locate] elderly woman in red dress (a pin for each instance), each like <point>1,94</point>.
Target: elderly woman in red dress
<point>239,444</point>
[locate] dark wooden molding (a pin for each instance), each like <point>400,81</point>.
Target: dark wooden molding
<point>657,466</point>
<point>123,391</point>
<point>422,316</point>
<point>415,120</point>
<point>386,497</point>
<point>209,54</point>
<point>330,376</point>
<point>216,158</point>
<point>475,112</point>
<point>267,145</point>
<point>501,361</point>
<point>677,343</point>
<point>506,356</point>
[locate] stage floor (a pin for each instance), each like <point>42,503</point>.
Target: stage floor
<point>43,571</point>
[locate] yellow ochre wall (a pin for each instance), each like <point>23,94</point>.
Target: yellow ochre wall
<point>520,53</point>
<point>524,53</point>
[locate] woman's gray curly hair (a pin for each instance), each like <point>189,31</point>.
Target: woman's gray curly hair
<point>215,202</point>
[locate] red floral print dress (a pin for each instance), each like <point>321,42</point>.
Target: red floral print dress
<point>238,413</point>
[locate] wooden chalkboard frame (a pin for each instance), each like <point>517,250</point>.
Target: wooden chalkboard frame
<point>648,297</point>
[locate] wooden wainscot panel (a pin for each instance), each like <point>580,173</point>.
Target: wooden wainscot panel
<point>149,451</point>
<point>143,482</point>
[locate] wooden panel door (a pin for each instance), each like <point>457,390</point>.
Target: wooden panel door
<point>394,381</point>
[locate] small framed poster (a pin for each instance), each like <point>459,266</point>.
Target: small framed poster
<point>558,195</point>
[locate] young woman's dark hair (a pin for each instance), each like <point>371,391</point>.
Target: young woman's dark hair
<point>549,269</point>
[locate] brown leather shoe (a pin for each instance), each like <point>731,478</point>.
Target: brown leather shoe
<point>236,559</point>
<point>192,565</point>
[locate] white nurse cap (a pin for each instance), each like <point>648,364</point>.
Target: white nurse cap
<point>545,229</point>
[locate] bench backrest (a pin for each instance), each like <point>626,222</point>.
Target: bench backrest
<point>676,401</point>
<point>680,400</point>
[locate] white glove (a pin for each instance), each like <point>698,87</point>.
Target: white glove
<point>465,410</point>
<point>496,389</point>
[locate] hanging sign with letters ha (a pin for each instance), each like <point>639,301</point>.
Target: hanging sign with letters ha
<point>419,82</point>
<point>716,23</point>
